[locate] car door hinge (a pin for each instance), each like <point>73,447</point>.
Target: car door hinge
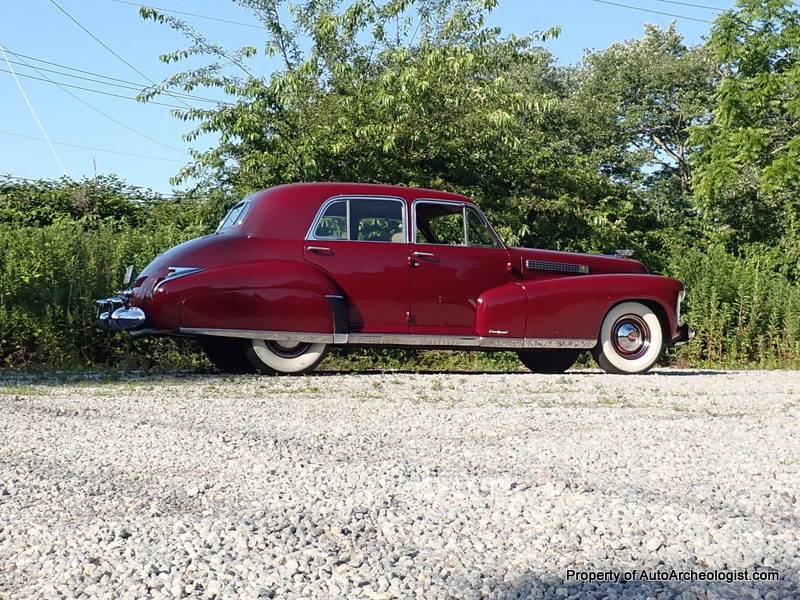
<point>408,317</point>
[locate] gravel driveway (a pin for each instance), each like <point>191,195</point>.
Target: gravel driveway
<point>401,485</point>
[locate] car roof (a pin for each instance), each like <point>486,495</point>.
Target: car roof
<point>336,188</point>
<point>286,211</point>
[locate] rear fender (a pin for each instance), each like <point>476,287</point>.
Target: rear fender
<point>265,295</point>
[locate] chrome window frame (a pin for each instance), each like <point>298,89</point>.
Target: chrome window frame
<point>464,207</point>
<point>310,235</point>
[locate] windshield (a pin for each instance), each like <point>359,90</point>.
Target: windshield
<point>235,216</point>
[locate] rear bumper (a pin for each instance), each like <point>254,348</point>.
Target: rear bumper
<point>116,314</point>
<point>685,335</point>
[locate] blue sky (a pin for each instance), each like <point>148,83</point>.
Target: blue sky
<point>38,29</point>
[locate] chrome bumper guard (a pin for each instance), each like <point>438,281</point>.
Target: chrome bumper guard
<point>685,335</point>
<point>114,315</point>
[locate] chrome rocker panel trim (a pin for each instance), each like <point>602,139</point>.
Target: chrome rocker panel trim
<point>402,339</point>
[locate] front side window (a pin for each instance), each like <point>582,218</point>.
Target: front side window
<point>362,220</point>
<point>478,233</point>
<point>439,223</point>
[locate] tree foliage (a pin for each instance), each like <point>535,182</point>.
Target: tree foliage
<point>748,159</point>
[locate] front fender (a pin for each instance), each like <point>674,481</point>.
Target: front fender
<point>574,307</point>
<point>571,307</point>
<point>267,295</point>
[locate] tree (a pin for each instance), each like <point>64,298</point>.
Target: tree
<point>647,93</point>
<point>748,163</point>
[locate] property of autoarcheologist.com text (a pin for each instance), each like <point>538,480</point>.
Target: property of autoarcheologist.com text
<point>612,576</point>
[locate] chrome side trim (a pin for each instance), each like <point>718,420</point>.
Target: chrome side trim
<point>176,273</point>
<point>562,267</point>
<point>407,339</point>
<point>397,339</point>
<point>257,334</point>
<point>583,344</point>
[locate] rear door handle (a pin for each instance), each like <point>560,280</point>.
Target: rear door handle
<point>318,249</point>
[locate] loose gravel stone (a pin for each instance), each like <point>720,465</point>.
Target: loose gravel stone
<point>399,485</point>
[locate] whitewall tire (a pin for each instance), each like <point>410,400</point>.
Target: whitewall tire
<point>284,357</point>
<point>631,339</point>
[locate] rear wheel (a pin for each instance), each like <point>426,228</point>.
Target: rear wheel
<point>631,339</point>
<point>285,357</point>
<point>549,361</point>
<point>228,355</point>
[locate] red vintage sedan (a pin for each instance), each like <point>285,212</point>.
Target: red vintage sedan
<point>296,269</point>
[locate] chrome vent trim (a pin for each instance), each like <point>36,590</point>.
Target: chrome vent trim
<point>547,265</point>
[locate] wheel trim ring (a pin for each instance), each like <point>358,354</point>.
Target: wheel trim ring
<point>286,351</point>
<point>630,337</point>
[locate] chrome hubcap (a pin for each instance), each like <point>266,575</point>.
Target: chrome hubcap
<point>287,349</point>
<point>630,337</point>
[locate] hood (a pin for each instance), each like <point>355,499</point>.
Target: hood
<point>596,263</point>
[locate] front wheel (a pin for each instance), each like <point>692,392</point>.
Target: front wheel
<point>631,340</point>
<point>548,361</point>
<point>285,358</point>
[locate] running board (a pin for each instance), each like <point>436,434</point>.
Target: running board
<point>399,339</point>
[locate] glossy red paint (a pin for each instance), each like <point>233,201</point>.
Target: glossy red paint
<point>372,276</point>
<point>502,312</point>
<point>263,274</point>
<point>446,282</point>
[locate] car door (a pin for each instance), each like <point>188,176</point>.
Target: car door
<point>454,258</point>
<point>361,243</point>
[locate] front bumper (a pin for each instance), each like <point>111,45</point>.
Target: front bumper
<point>116,314</point>
<point>685,335</point>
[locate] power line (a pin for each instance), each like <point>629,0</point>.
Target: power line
<point>128,84</point>
<point>38,139</point>
<point>33,112</point>
<point>189,14</point>
<point>104,45</point>
<point>106,115</point>
<point>647,10</point>
<point>85,89</point>
<point>693,5</point>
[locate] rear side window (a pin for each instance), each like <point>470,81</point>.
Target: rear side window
<point>235,216</point>
<point>362,220</point>
<point>376,221</point>
<point>332,224</point>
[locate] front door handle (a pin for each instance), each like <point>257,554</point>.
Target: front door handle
<point>318,249</point>
<point>423,254</point>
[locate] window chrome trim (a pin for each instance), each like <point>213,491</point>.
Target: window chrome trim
<point>396,339</point>
<point>346,198</point>
<point>464,207</point>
